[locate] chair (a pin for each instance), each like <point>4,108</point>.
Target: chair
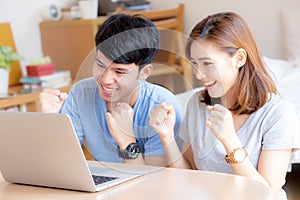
<point>6,39</point>
<point>171,56</point>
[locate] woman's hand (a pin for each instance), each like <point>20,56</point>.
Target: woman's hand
<point>220,123</point>
<point>162,119</point>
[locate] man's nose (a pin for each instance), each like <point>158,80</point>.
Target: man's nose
<point>107,76</point>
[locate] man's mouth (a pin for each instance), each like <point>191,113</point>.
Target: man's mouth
<point>108,90</point>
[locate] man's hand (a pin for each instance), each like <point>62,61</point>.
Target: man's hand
<point>51,100</point>
<point>120,124</point>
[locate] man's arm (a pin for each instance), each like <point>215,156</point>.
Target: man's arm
<point>120,124</point>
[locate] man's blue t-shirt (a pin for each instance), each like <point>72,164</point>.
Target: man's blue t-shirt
<point>87,111</point>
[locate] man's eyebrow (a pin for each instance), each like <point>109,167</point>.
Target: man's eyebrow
<point>123,69</point>
<point>99,61</point>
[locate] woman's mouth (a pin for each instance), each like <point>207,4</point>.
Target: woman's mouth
<point>209,84</point>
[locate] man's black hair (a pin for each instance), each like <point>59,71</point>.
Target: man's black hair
<point>126,39</point>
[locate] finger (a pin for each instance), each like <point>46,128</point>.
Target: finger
<point>128,108</point>
<point>111,123</point>
<point>217,115</point>
<point>63,96</point>
<point>219,107</point>
<point>212,128</point>
<point>123,105</point>
<point>208,124</point>
<point>210,108</point>
<point>155,121</point>
<point>109,120</point>
<point>167,107</point>
<point>158,116</point>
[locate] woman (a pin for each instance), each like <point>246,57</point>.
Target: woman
<point>239,124</point>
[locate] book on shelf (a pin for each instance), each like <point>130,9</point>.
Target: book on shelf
<point>19,108</point>
<point>58,79</point>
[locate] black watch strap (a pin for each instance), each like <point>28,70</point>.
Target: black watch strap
<point>131,152</point>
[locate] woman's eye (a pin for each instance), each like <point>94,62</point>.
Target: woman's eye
<point>207,63</point>
<point>194,64</point>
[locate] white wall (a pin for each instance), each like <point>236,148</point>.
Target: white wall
<point>24,17</point>
<point>263,17</point>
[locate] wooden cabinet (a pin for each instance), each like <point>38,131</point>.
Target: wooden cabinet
<point>68,42</point>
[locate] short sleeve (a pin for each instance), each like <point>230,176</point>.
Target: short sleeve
<point>283,131</point>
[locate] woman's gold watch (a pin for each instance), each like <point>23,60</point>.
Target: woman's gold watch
<point>238,155</point>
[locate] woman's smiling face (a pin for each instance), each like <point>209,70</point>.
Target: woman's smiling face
<point>215,68</point>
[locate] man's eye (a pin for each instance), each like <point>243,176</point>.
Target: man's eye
<point>121,72</point>
<point>100,66</point>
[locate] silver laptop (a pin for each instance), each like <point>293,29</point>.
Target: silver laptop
<point>43,150</point>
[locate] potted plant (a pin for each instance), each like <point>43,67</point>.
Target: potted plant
<point>7,56</point>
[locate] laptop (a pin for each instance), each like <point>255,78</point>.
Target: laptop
<point>42,149</point>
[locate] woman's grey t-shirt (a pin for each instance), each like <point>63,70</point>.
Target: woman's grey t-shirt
<point>275,126</point>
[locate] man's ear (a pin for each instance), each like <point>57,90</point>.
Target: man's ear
<point>145,72</point>
<point>240,57</point>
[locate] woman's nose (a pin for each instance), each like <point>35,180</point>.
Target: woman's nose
<point>199,74</point>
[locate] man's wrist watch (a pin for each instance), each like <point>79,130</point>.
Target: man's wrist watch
<point>238,155</point>
<point>131,152</point>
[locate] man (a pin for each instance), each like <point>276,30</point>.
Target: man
<point>111,110</point>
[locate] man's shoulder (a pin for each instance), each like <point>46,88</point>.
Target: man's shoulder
<point>152,95</point>
<point>86,83</point>
<point>158,90</point>
<point>156,93</point>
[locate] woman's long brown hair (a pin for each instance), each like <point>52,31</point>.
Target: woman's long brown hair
<point>229,32</point>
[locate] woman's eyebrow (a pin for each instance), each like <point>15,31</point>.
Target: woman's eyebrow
<point>200,58</point>
<point>203,58</point>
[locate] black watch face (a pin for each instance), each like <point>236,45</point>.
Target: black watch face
<point>131,152</point>
<point>134,148</point>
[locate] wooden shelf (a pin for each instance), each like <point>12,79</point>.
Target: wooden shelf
<point>31,100</point>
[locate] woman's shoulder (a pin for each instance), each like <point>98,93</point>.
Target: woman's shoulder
<point>276,102</point>
<point>277,107</point>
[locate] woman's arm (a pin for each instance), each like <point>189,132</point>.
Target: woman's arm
<point>275,176</point>
<point>162,119</point>
<point>272,165</point>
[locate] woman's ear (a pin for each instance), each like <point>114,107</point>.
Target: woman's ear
<point>240,57</point>
<point>145,72</point>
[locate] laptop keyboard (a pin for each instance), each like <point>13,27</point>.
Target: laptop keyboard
<point>102,179</point>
